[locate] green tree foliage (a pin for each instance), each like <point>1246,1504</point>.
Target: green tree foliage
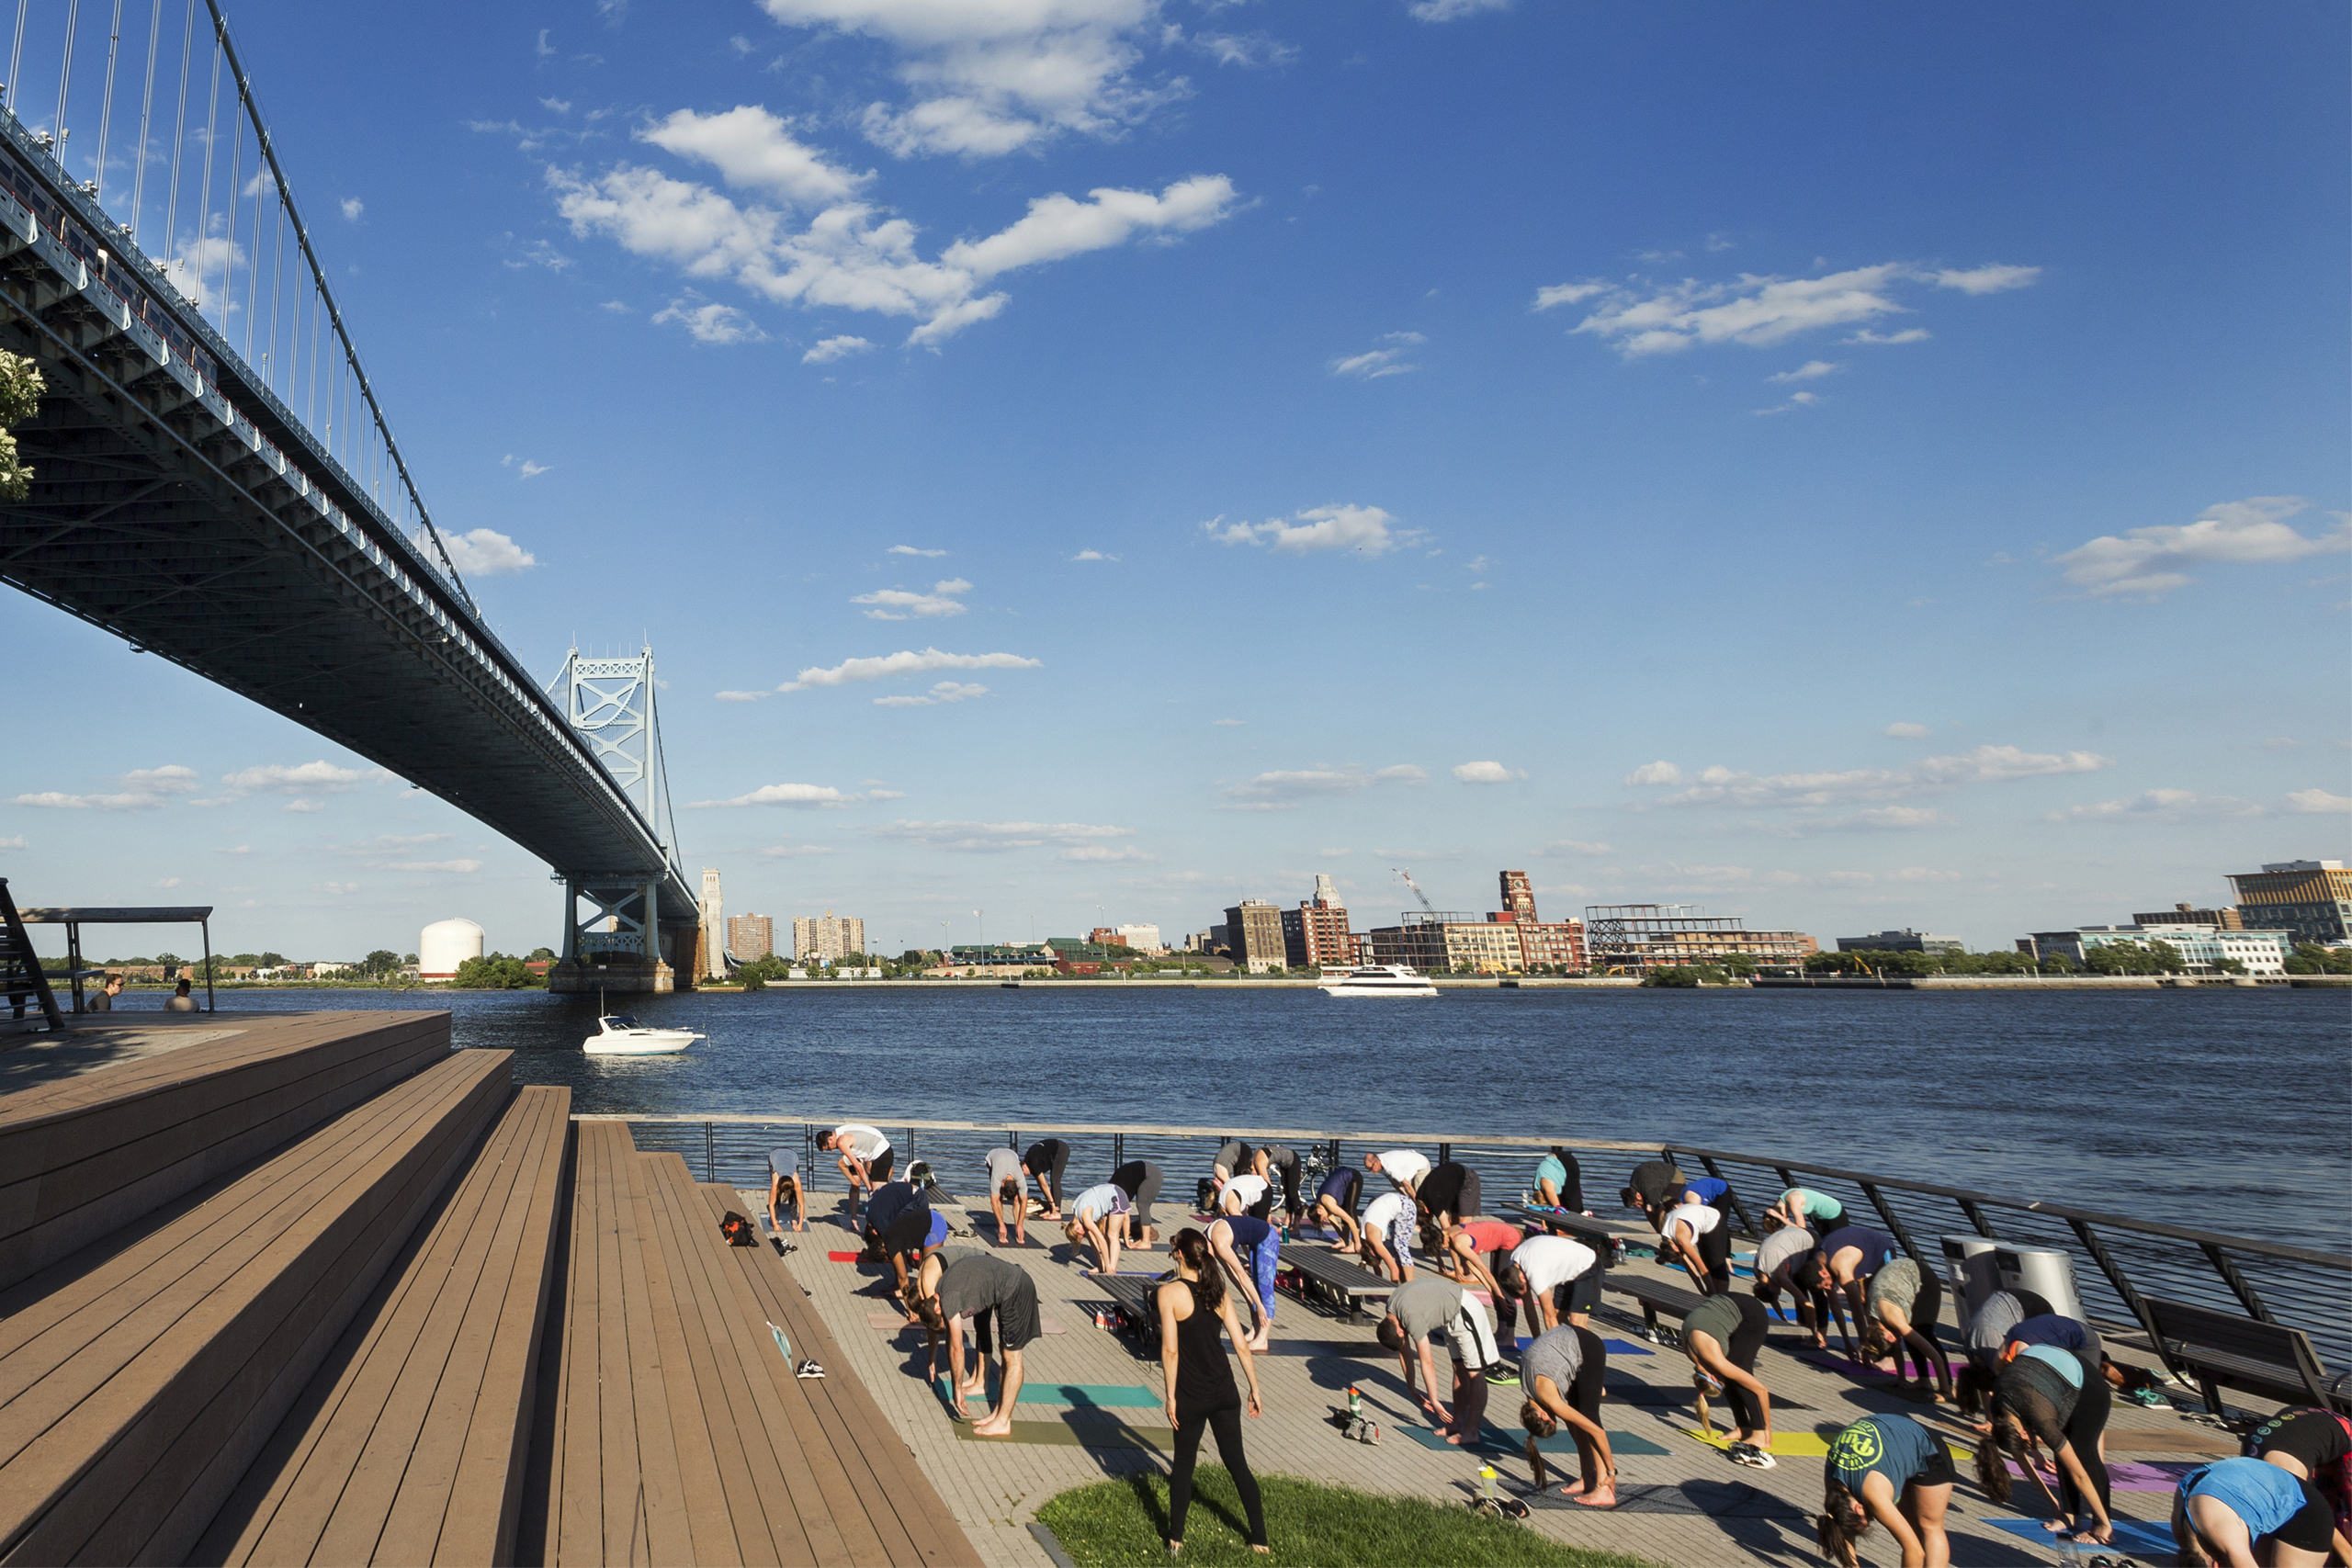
<point>20,391</point>
<point>2310,958</point>
<point>382,961</point>
<point>1678,977</point>
<point>2131,958</point>
<point>497,972</point>
<point>541,955</point>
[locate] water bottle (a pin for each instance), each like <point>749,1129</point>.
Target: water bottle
<point>2070,1555</point>
<point>1486,1483</point>
<point>1355,1404</point>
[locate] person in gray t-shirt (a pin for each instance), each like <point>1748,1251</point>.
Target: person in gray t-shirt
<point>1431,1305</point>
<point>1988,1330</point>
<point>982,1287</point>
<point>1008,1189</point>
<point>784,1184</point>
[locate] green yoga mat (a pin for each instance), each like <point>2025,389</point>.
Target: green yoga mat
<point>1094,1435</point>
<point>1496,1440</point>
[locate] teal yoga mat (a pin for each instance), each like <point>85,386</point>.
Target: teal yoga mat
<point>1080,1395</point>
<point>1496,1440</point>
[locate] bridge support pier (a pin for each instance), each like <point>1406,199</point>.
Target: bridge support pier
<point>616,944</point>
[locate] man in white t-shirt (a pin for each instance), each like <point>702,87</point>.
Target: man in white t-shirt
<point>1403,1167</point>
<point>1693,1236</point>
<point>1388,1235</point>
<point>866,1156</point>
<point>1555,1277</point>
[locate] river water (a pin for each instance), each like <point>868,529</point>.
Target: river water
<point>2226,1108</point>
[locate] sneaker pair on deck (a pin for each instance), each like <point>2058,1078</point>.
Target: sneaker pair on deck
<point>1751,1456</point>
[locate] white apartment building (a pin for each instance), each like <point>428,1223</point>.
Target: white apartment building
<point>2202,947</point>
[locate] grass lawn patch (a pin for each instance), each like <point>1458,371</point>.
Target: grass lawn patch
<point>1124,1523</point>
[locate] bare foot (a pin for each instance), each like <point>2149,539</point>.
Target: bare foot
<point>1606,1497</point>
<point>1573,1489</point>
<point>994,1426</point>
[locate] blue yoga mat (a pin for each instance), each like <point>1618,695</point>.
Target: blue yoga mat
<point>1614,1346</point>
<point>2131,1534</point>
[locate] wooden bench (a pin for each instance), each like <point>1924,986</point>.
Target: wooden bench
<point>86,1155</point>
<point>410,1445</point>
<point>1607,1244</point>
<point>1657,1297</point>
<point>2221,1349</point>
<point>671,1427</point>
<point>1132,1297</point>
<point>141,1378</point>
<point>1342,1284</point>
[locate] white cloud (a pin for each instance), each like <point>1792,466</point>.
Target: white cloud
<point>904,663</point>
<point>486,552</point>
<point>2147,562</point>
<point>1811,369</point>
<point>897,603</point>
<point>799,797</point>
<point>1905,731</point>
<point>303,805</point>
<point>754,149</point>
<point>1487,773</point>
<point>352,208</point>
<point>1363,529</point>
<point>945,691</point>
<point>1093,555</point>
<point>142,789</point>
<point>167,882</point>
<point>2159,805</point>
<point>340,886</point>
<point>741,696</point>
<point>320,777</point>
<point>995,837</point>
<point>854,256</point>
<point>1559,294</point>
<point>1452,10</point>
<point>1797,400</point>
<point>707,320</point>
<point>797,851</point>
<point>1373,364</point>
<point>1230,723</point>
<point>431,865</point>
<point>1282,790</point>
<point>1932,775</point>
<point>911,551</point>
<point>1908,334</point>
<point>885,794</point>
<point>833,348</point>
<point>993,77</point>
<point>1250,51</point>
<point>1576,847</point>
<point>1760,311</point>
<point>2307,802</point>
<point>14,842</point>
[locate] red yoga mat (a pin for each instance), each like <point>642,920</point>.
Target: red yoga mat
<point>844,1256</point>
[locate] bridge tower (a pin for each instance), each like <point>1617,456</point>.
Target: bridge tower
<point>617,936</point>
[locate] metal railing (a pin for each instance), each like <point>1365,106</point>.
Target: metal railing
<point>2120,1261</point>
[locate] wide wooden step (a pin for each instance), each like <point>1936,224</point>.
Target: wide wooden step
<point>86,1155</point>
<point>408,1448</point>
<point>138,1383</point>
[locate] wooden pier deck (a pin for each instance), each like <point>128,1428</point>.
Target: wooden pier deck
<point>995,1486</point>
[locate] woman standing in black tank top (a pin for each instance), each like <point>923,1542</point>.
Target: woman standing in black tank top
<point>1194,1310</point>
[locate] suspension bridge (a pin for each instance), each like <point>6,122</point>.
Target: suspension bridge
<point>216,481</point>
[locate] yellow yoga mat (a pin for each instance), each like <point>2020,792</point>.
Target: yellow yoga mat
<point>1791,1445</point>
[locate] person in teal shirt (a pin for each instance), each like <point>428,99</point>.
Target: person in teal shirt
<point>2222,1510</point>
<point>1891,1471</point>
<point>1559,1181</point>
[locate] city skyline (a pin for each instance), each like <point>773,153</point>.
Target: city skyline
<point>1320,443</point>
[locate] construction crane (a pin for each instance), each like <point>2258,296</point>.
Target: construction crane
<point>1416,887</point>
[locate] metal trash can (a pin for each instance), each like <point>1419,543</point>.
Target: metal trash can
<point>2047,1271</point>
<point>1970,1273</point>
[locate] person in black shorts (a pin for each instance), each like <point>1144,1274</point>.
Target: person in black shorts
<point>2316,1448</point>
<point>1721,1336</point>
<point>1139,1180</point>
<point>1335,1205</point>
<point>1194,1308</point>
<point>1449,1194</point>
<point>1278,1164</point>
<point>1047,1160</point>
<point>1886,1469</point>
<point>985,1288</point>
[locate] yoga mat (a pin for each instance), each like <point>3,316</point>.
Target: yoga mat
<point>1073,1395</point>
<point>1806,1445</point>
<point>2131,1534</point>
<point>1656,1396</point>
<point>1714,1499</point>
<point>1060,1434</point>
<point>1829,1360</point>
<point>2132,1475</point>
<point>1496,1440</point>
<point>844,1256</point>
<point>2187,1440</point>
<point>1368,1348</point>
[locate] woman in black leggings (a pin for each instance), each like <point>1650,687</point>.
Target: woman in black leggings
<point>1193,1307</point>
<point>1047,1160</point>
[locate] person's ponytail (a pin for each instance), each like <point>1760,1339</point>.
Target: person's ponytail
<point>1540,1424</point>
<point>1841,1522</point>
<point>1192,1248</point>
<point>1993,1466</point>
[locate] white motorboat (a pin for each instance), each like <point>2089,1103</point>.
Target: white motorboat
<point>618,1036</point>
<point>1380,980</point>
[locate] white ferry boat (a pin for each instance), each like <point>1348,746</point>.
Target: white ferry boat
<point>618,1036</point>
<point>1379,980</point>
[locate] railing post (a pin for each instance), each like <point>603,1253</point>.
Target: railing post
<point>709,1151</point>
<point>2116,1276</point>
<point>1118,1150</point>
<point>1976,1217</point>
<point>2237,1282</point>
<point>1747,1225</point>
<point>1886,1212</point>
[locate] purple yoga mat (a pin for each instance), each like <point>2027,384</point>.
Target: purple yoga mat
<point>2132,1475</point>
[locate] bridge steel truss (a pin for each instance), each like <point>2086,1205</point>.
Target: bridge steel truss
<point>178,503</point>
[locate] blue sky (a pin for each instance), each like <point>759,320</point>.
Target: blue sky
<point>1842,466</point>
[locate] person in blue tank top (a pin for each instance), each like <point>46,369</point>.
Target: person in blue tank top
<point>2223,1512</point>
